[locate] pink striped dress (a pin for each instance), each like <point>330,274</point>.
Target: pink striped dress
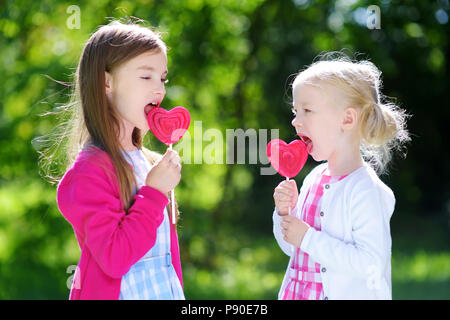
<point>305,281</point>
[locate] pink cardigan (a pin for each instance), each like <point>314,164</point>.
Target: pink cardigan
<point>110,240</point>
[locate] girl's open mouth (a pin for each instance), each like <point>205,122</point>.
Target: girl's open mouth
<point>149,107</point>
<point>308,142</point>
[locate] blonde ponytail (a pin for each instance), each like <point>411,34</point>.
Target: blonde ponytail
<point>383,129</point>
<point>377,124</point>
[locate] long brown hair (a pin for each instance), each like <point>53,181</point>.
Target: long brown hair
<point>92,120</point>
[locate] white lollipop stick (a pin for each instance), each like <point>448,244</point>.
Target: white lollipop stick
<point>289,208</point>
<point>172,198</point>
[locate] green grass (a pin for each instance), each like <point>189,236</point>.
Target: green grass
<point>252,275</point>
<point>421,275</point>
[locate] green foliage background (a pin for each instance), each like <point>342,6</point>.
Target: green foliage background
<point>230,63</point>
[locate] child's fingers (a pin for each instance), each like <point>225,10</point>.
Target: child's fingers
<point>292,185</point>
<point>288,188</point>
<point>175,161</point>
<point>285,184</point>
<point>170,154</point>
<point>288,219</point>
<point>283,203</point>
<point>284,191</point>
<point>284,225</point>
<point>170,158</point>
<point>166,157</point>
<point>175,156</point>
<point>283,208</point>
<point>282,196</point>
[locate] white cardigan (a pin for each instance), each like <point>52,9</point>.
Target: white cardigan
<point>354,244</point>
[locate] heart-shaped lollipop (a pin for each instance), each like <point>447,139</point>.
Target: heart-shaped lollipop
<point>287,159</point>
<point>169,126</point>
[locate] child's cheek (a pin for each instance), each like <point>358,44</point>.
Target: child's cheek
<point>316,157</point>
<point>317,152</point>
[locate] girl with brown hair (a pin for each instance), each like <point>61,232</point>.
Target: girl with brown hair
<point>115,191</point>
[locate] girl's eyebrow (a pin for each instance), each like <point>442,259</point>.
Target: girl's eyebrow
<point>304,105</point>
<point>146,67</point>
<point>301,105</point>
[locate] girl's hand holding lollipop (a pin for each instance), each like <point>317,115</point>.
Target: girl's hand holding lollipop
<point>287,160</point>
<point>169,127</point>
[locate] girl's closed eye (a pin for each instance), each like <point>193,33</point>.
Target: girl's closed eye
<point>149,78</point>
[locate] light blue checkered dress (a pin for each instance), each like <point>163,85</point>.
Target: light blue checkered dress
<point>153,277</point>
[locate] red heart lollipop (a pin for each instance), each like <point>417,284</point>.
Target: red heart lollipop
<point>169,126</point>
<point>287,159</point>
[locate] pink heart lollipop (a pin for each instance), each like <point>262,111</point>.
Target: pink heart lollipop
<point>287,159</point>
<point>169,126</point>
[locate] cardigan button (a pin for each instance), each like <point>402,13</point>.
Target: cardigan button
<point>327,186</point>
<point>324,269</point>
<point>322,214</point>
<point>326,298</point>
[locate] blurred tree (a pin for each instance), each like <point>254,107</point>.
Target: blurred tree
<point>231,63</point>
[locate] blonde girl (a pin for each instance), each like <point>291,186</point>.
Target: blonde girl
<point>338,235</point>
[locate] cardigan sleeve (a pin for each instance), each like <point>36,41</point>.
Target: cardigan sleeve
<point>115,239</point>
<point>285,246</point>
<point>371,211</point>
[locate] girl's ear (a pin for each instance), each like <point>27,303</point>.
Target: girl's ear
<point>108,82</point>
<point>350,118</point>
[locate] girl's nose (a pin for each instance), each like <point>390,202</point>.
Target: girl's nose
<point>160,90</point>
<point>295,122</point>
